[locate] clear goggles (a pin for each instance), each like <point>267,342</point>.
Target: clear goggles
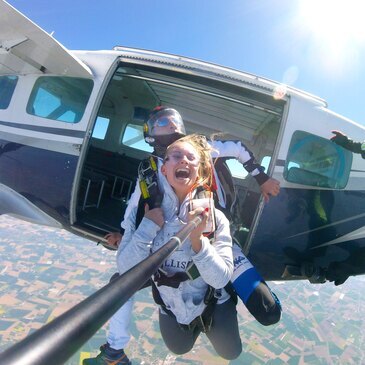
<point>166,118</point>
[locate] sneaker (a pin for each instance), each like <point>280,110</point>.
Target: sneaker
<point>104,358</point>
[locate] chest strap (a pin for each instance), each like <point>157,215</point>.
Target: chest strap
<point>174,281</point>
<point>160,278</point>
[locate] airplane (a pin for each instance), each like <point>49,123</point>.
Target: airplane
<point>71,138</point>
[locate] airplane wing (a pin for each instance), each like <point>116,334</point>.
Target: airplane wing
<point>26,48</point>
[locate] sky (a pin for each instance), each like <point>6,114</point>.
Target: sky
<point>314,45</point>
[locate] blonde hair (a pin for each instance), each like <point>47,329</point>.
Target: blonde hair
<point>200,144</point>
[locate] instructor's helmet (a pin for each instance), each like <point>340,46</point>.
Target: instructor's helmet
<point>164,126</point>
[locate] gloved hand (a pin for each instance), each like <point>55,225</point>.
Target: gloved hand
<point>340,139</point>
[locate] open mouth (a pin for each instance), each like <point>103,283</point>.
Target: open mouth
<point>182,173</point>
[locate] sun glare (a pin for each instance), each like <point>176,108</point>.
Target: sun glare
<point>335,19</point>
<point>336,27</point>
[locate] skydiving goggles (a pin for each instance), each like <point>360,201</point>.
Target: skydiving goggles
<point>163,121</point>
<point>164,118</point>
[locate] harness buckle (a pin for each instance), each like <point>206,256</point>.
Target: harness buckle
<point>218,293</point>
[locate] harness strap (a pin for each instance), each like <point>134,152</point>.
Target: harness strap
<point>174,281</point>
<point>230,290</point>
<point>160,278</point>
<point>148,182</point>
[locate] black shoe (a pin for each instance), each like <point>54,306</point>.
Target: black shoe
<point>105,358</point>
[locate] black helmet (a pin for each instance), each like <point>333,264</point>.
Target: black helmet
<point>164,126</point>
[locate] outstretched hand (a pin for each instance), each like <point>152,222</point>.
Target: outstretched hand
<point>336,134</point>
<point>339,138</point>
<point>269,188</point>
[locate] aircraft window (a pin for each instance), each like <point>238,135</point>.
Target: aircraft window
<point>100,128</point>
<point>265,163</point>
<point>7,87</point>
<point>236,169</point>
<point>133,137</point>
<point>239,172</point>
<point>317,161</point>
<point>60,98</point>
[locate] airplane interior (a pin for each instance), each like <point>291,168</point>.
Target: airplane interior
<point>117,145</point>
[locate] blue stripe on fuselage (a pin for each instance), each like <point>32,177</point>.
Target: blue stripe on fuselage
<point>44,177</point>
<point>50,130</point>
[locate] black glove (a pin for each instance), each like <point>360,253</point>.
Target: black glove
<point>340,139</point>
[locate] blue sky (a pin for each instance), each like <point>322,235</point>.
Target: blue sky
<point>314,45</point>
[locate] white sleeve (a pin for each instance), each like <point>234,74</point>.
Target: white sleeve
<point>231,149</point>
<point>136,243</point>
<point>132,203</point>
<point>237,150</point>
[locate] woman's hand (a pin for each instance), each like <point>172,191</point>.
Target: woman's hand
<point>197,234</point>
<point>155,215</point>
<point>113,239</point>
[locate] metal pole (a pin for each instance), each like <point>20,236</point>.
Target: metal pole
<point>57,341</point>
